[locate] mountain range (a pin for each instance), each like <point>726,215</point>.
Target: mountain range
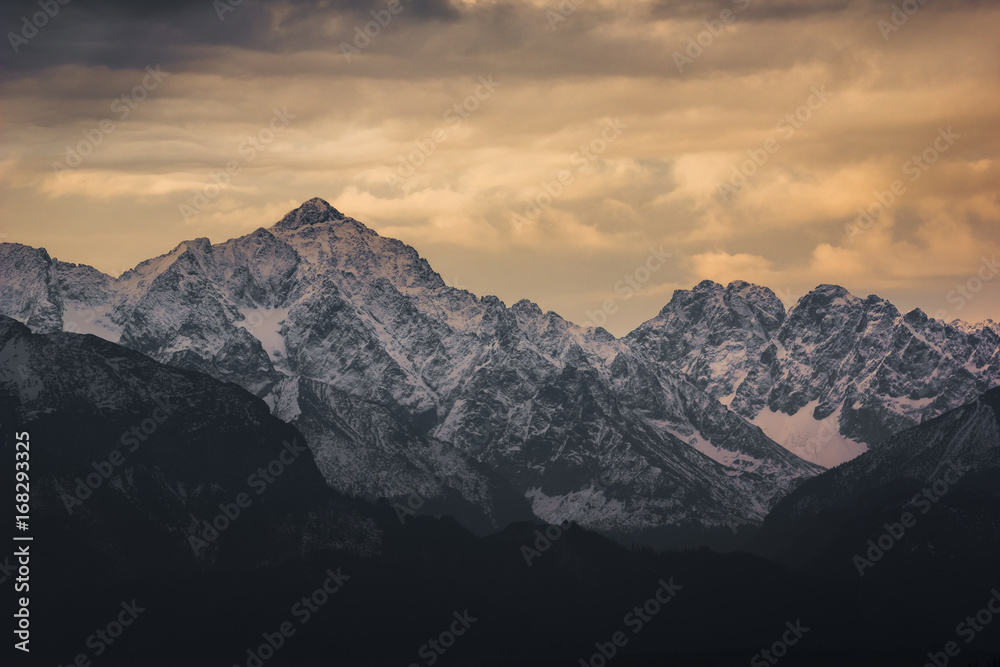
<point>168,450</point>
<point>831,377</point>
<point>208,430</point>
<point>405,388</point>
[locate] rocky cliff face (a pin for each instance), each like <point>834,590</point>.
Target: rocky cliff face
<point>406,387</point>
<point>830,378</point>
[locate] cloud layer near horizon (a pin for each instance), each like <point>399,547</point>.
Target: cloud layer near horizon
<point>585,134</point>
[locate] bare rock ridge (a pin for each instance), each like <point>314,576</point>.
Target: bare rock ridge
<point>830,378</point>
<point>313,212</point>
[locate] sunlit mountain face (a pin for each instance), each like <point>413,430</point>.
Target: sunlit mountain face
<point>461,332</point>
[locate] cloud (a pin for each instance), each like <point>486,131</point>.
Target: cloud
<point>464,206</point>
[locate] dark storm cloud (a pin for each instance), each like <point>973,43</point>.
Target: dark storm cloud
<point>752,10</point>
<point>120,34</point>
<point>788,10</point>
<point>427,40</point>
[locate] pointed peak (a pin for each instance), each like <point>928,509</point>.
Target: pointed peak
<point>200,244</point>
<point>752,292</point>
<point>769,308</point>
<point>526,307</point>
<point>916,316</point>
<point>744,286</point>
<point>824,298</point>
<point>492,302</point>
<point>699,291</point>
<point>827,288</point>
<point>9,248</point>
<point>311,212</point>
<point>827,292</point>
<point>708,286</point>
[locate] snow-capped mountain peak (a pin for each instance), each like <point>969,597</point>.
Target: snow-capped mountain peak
<point>405,385</point>
<point>312,212</point>
<point>834,376</point>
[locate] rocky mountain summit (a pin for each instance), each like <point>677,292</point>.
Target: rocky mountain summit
<point>447,402</point>
<point>832,376</point>
<point>409,389</point>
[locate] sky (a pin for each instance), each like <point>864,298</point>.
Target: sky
<point>589,155</point>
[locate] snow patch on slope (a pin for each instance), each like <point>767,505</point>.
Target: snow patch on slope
<point>816,441</point>
<point>78,317</point>
<point>738,461</point>
<point>588,504</point>
<point>264,324</point>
